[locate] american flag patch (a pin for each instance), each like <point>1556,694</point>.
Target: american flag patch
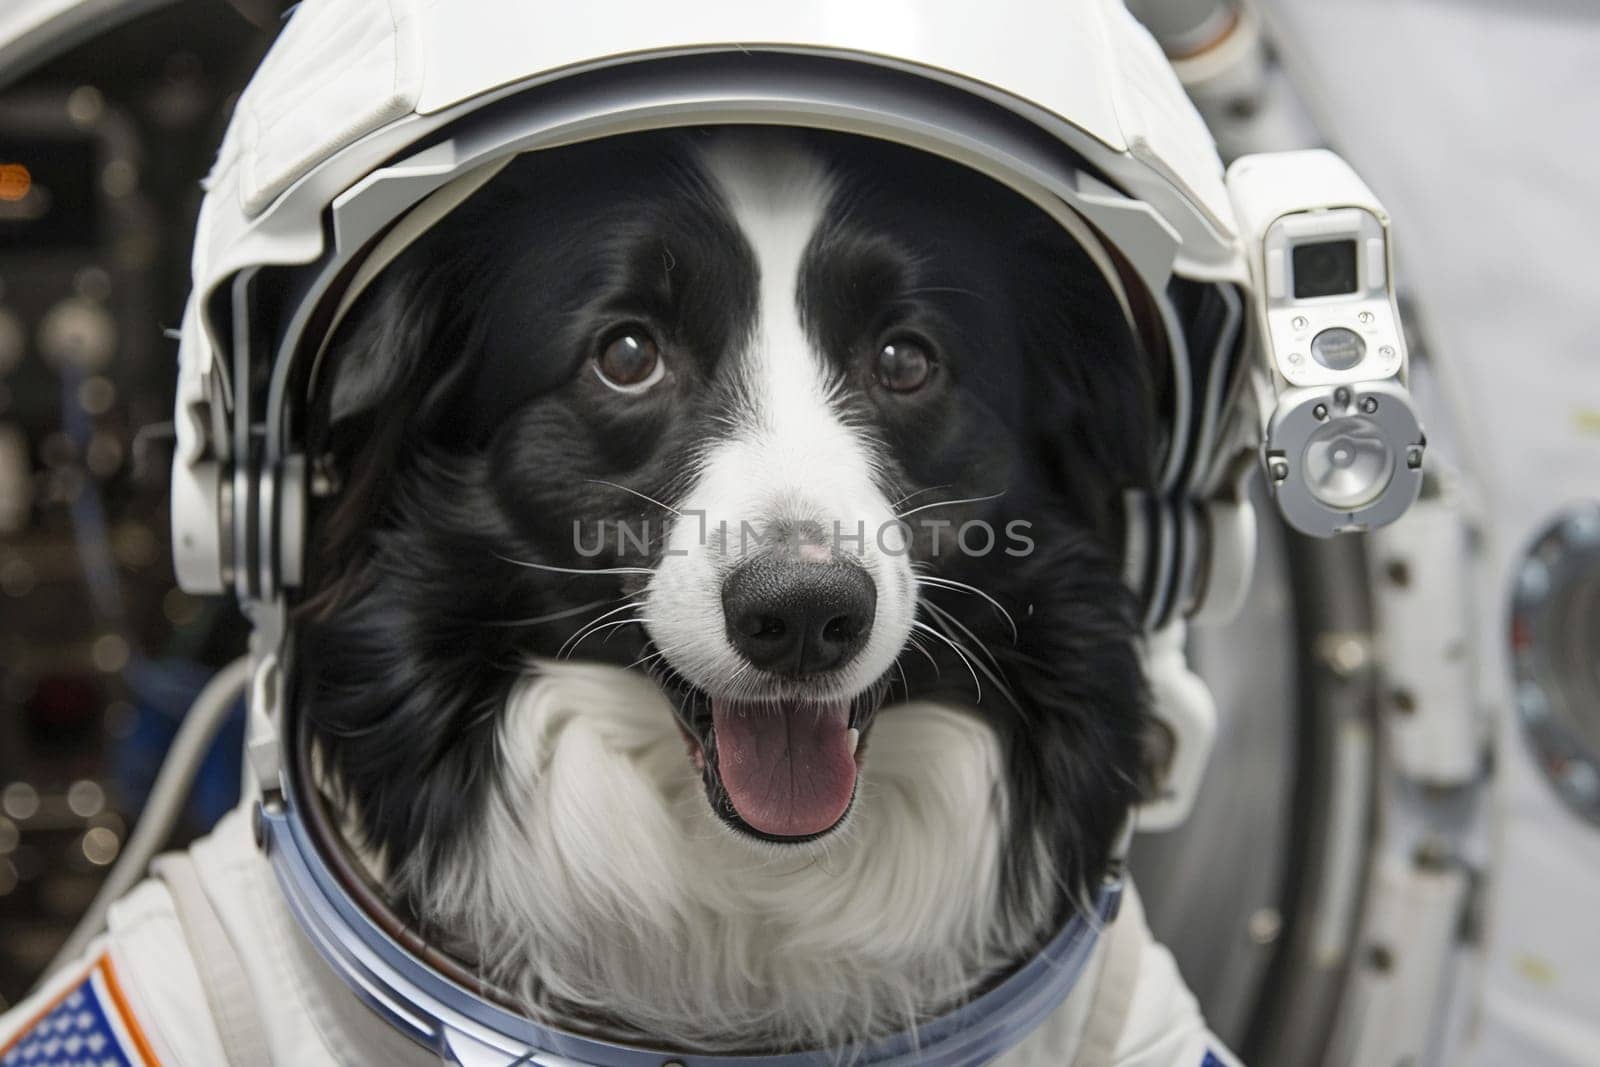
<point>87,1026</point>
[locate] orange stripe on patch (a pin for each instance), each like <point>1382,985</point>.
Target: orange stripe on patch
<point>55,1002</point>
<point>108,974</point>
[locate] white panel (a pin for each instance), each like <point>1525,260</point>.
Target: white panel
<point>1478,155</point>
<point>1277,275</point>
<point>1048,53</point>
<point>1422,602</point>
<point>337,72</point>
<point>1413,928</point>
<point>1377,266</point>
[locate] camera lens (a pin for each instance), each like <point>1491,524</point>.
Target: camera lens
<point>1324,268</point>
<point>1338,348</point>
<point>1348,464</point>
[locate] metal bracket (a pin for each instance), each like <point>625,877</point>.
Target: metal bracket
<point>263,739</point>
<point>1183,702</point>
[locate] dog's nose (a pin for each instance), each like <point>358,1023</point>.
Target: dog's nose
<point>796,616</point>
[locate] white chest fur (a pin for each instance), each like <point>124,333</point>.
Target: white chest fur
<point>600,877</point>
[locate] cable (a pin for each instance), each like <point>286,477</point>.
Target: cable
<point>161,812</point>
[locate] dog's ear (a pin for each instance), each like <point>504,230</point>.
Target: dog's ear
<point>1093,391</point>
<point>397,355</point>
<point>389,369</point>
<point>377,354</point>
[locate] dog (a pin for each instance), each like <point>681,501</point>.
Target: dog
<point>665,401</point>
<point>715,632</point>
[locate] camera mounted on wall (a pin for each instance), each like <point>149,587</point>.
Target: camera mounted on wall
<point>1341,441</point>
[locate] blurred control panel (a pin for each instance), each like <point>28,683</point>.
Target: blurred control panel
<point>102,147</point>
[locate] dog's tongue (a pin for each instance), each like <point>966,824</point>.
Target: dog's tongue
<point>787,768</point>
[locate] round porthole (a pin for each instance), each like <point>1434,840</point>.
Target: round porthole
<point>1555,654</point>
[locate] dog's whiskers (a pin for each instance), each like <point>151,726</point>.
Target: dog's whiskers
<point>905,685</point>
<point>944,619</point>
<point>574,570</point>
<point>955,289</point>
<point>951,503</point>
<point>571,644</point>
<point>963,587</point>
<point>911,640</point>
<point>744,668</point>
<point>920,625</point>
<point>642,496</point>
<point>612,626</point>
<point>553,616</point>
<point>916,492</point>
<point>647,658</point>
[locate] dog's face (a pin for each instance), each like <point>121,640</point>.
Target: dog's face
<point>805,428</point>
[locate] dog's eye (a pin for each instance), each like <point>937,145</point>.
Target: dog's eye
<point>630,361</point>
<point>904,365</point>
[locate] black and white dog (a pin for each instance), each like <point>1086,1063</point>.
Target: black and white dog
<point>803,453</point>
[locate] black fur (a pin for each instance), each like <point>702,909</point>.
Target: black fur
<point>1048,401</point>
<point>471,433</point>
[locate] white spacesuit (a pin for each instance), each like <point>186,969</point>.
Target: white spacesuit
<point>206,964</point>
<point>366,124</point>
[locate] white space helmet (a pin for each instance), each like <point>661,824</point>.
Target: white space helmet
<point>1081,114</point>
<point>370,120</point>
